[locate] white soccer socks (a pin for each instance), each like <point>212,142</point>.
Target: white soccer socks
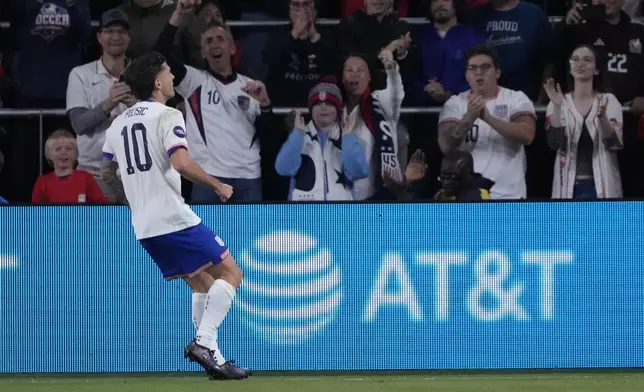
<point>198,304</point>
<point>216,307</point>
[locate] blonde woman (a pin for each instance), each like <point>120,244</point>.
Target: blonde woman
<point>584,127</point>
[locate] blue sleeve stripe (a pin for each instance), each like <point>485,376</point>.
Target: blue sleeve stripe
<point>175,148</point>
<point>107,155</point>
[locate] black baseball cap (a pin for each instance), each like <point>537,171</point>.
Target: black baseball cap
<point>115,16</point>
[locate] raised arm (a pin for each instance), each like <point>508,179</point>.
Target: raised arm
<point>165,42</point>
<point>392,96</point>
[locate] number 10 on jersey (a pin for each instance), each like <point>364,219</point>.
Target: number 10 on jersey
<point>133,147</point>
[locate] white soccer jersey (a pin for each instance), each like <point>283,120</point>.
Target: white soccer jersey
<point>496,157</point>
<point>141,140</point>
<point>221,124</point>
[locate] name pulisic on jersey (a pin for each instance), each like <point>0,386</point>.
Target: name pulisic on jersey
<point>136,111</point>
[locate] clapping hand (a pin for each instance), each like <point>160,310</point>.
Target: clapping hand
<point>416,168</point>
<point>475,107</point>
<point>554,92</point>
<point>602,102</point>
<point>401,45</point>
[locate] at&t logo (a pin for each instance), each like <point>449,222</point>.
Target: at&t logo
<point>291,290</point>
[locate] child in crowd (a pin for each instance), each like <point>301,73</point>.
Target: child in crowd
<point>65,184</point>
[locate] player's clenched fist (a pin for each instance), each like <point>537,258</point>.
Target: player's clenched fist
<point>224,191</point>
<point>257,90</point>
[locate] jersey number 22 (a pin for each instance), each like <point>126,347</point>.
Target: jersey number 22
<point>131,144</point>
<point>617,63</point>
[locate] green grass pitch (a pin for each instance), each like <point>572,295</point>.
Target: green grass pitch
<point>371,382</point>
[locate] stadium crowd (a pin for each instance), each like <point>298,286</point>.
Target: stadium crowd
<point>483,65</point>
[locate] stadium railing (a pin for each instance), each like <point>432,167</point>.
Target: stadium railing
<point>322,22</point>
<point>41,113</point>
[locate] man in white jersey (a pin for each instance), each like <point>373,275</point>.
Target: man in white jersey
<point>149,143</point>
<point>222,110</point>
<point>492,123</point>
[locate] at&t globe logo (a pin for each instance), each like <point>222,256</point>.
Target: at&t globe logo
<point>291,290</point>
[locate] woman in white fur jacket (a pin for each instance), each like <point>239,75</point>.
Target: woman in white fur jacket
<point>585,128</point>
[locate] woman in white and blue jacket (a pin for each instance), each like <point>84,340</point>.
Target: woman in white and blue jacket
<point>322,161</point>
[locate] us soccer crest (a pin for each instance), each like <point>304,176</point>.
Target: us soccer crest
<point>635,46</point>
<point>501,111</point>
<point>244,102</point>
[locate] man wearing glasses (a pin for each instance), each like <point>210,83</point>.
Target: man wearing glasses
<point>492,123</point>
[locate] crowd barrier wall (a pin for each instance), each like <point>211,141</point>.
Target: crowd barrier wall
<point>491,285</point>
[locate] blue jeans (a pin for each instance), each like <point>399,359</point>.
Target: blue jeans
<point>244,191</point>
<point>584,189</point>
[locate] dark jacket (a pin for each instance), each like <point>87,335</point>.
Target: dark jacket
<point>619,48</point>
<point>363,33</point>
<point>146,25</point>
<point>48,40</point>
<point>477,188</point>
<point>295,66</point>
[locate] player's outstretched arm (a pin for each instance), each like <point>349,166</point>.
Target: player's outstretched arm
<point>109,177</point>
<point>188,168</point>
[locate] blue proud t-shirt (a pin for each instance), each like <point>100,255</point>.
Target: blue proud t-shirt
<point>522,36</point>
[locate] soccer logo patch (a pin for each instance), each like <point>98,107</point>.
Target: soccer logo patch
<point>244,102</point>
<point>501,111</point>
<point>179,131</point>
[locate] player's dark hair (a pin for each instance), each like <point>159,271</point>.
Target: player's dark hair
<point>484,50</point>
<point>598,80</point>
<point>460,9</point>
<point>142,73</point>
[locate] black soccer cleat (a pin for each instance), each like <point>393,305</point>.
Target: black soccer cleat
<point>202,356</point>
<point>248,371</point>
<point>228,371</point>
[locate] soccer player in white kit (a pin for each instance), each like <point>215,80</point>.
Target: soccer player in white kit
<point>492,123</point>
<point>149,143</point>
